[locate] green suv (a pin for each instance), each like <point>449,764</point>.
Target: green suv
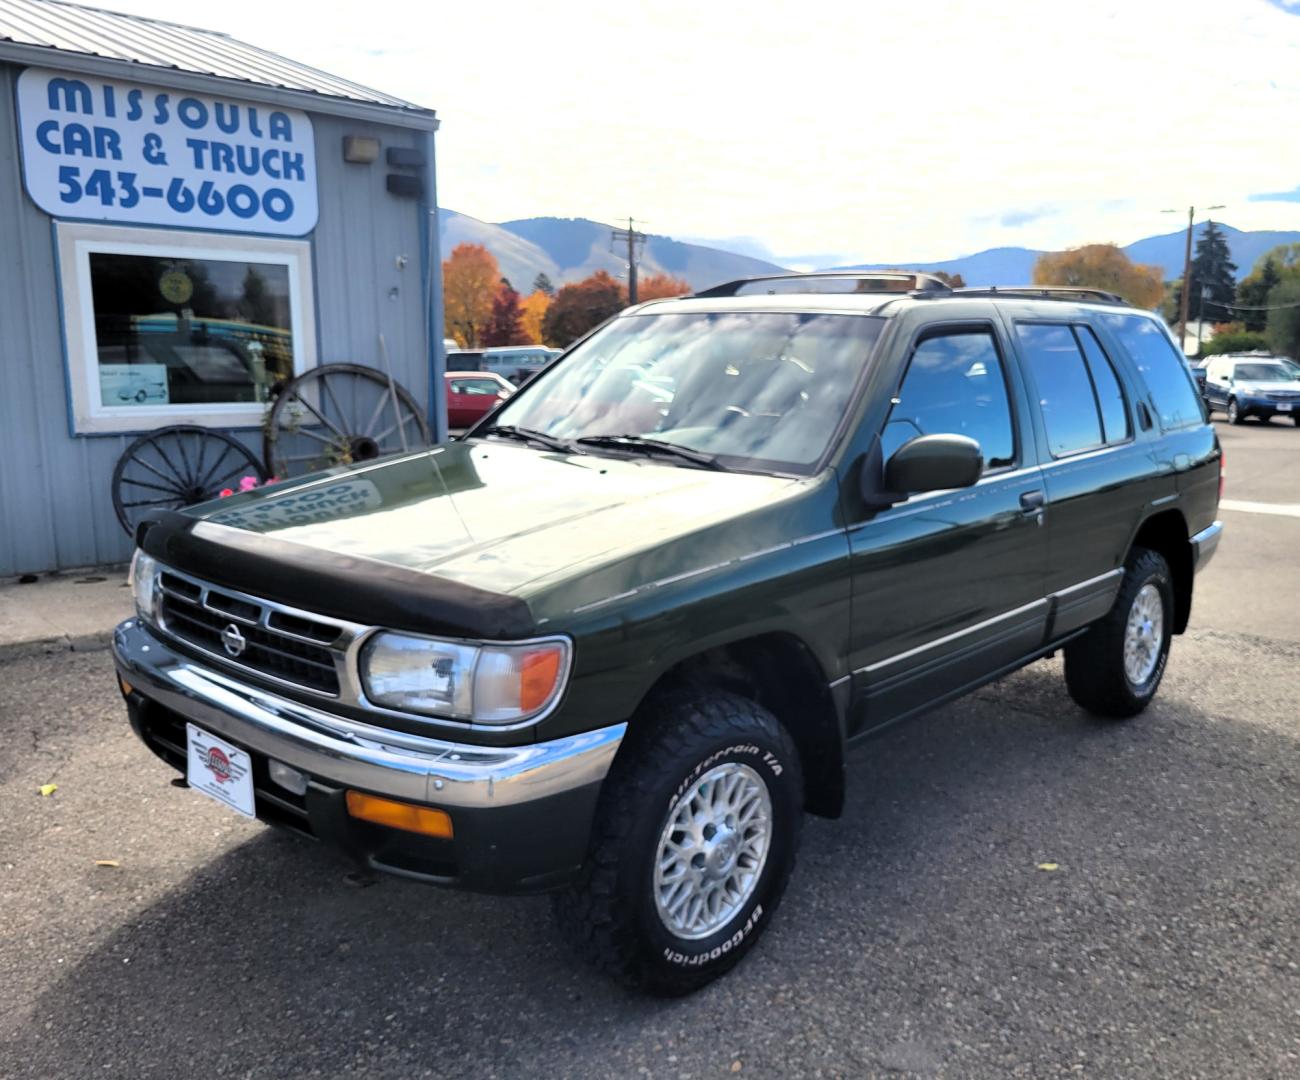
<point>618,639</point>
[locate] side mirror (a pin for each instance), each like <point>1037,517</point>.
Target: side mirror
<point>934,463</point>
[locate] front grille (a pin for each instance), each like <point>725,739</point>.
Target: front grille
<point>289,647</point>
<point>1284,395</point>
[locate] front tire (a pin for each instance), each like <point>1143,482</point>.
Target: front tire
<point>694,840</point>
<point>1114,670</point>
<point>1234,413</point>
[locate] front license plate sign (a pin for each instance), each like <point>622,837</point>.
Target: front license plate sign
<point>1285,407</point>
<point>219,770</point>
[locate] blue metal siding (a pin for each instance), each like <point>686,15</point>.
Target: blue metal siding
<point>55,503</point>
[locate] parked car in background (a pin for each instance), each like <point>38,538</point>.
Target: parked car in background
<point>471,395</point>
<point>1198,372</point>
<point>1253,385</point>
<point>518,363</point>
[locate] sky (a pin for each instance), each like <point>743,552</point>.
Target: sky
<point>878,131</point>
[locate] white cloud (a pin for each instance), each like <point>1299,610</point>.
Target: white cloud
<point>892,131</point>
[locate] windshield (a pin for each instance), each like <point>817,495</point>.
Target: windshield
<point>758,389</point>
<point>1263,373</point>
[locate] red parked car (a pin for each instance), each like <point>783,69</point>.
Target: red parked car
<point>473,394</point>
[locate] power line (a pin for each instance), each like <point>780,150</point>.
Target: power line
<point>1247,307</point>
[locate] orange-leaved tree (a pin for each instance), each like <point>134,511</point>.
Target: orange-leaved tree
<point>469,282</point>
<point>1102,266</point>
<point>657,286</point>
<point>580,307</point>
<point>532,310</point>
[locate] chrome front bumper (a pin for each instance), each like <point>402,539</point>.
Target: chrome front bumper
<point>1204,545</point>
<point>354,755</point>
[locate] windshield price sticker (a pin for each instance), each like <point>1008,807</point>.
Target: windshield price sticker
<point>111,151</point>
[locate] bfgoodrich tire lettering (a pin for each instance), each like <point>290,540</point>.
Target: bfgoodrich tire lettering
<point>1095,670</point>
<point>611,914</point>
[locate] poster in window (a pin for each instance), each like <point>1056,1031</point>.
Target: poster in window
<point>133,384</point>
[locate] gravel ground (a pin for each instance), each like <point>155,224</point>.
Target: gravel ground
<point>919,936</point>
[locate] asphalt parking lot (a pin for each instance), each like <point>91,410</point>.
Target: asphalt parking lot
<point>919,936</point>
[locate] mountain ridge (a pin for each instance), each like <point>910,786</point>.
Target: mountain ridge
<point>569,249</point>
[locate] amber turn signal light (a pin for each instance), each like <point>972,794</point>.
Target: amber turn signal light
<point>127,688</point>
<point>400,815</point>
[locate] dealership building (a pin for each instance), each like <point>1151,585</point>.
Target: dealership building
<point>188,222</point>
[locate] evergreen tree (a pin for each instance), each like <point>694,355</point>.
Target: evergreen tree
<point>1214,272</point>
<point>542,284</point>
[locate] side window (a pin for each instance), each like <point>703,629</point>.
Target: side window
<point>955,385</point>
<point>1163,370</point>
<point>1110,395</point>
<point>1064,389</point>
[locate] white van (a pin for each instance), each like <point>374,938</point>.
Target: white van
<point>518,363</point>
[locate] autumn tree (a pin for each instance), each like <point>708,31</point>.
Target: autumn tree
<point>658,286</point>
<point>581,307</point>
<point>1283,325</point>
<point>953,281</point>
<point>1286,257</point>
<point>504,325</point>
<point>1252,293</point>
<point>470,278</point>
<point>532,310</point>
<point>1101,266</point>
<point>542,284</point>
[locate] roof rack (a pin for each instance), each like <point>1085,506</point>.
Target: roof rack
<point>832,281</point>
<point>1043,292</point>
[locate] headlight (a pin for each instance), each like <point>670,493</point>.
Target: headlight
<point>486,684</point>
<point>144,584</point>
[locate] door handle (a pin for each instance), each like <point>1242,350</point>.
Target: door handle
<point>1031,502</point>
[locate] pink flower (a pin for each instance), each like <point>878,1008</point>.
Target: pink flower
<point>247,483</point>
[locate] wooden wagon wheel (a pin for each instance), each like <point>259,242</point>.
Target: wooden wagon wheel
<point>175,467</point>
<point>339,414</point>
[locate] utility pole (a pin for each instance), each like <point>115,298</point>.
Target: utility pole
<point>1187,270</point>
<point>1200,317</point>
<point>632,237</point>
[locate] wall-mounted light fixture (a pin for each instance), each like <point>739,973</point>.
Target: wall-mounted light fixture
<point>360,149</point>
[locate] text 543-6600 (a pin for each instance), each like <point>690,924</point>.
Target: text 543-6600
<point>122,188</point>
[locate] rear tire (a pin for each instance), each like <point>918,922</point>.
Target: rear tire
<point>703,802</point>
<point>1296,419</point>
<point>1114,670</point>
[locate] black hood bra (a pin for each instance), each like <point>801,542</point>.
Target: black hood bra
<point>328,583</point>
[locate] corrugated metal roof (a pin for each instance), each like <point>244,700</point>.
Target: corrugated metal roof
<point>112,35</point>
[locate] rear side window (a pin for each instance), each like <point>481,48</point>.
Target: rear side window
<point>1163,370</point>
<point>1065,392</point>
<point>955,385</point>
<point>1110,396</point>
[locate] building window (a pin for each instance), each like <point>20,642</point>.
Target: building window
<point>170,327</point>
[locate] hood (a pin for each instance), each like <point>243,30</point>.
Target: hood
<point>495,516</point>
<point>1272,386</point>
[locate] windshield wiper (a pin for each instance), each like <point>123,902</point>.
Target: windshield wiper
<point>528,435</point>
<point>653,446</point>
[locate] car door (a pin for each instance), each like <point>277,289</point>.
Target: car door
<point>948,586</point>
<point>458,414</point>
<point>1216,383</point>
<point>1097,465</point>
